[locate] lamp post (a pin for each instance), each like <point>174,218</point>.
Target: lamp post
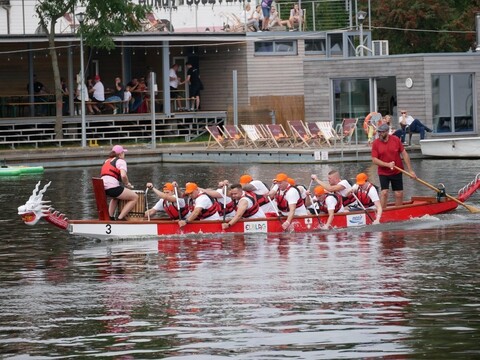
<point>81,17</point>
<point>361,15</point>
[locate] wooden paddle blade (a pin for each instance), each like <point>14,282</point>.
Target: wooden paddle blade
<point>470,208</point>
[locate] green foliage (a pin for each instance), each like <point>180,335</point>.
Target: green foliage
<point>423,26</point>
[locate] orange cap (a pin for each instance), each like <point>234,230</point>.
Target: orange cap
<point>169,187</point>
<point>190,187</point>
<point>291,181</point>
<point>362,178</point>
<point>245,179</point>
<point>281,177</point>
<point>319,190</point>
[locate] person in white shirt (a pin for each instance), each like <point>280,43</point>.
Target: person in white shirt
<point>260,189</point>
<point>174,207</point>
<point>127,98</point>
<point>226,203</point>
<point>336,184</point>
<point>367,196</point>
<point>98,95</point>
<point>246,206</point>
<point>202,206</point>
<point>411,125</point>
<point>174,81</point>
<point>289,200</point>
<point>248,18</point>
<point>329,203</point>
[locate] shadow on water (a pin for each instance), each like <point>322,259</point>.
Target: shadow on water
<point>405,290</point>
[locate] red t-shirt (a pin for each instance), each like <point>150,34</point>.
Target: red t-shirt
<point>388,151</point>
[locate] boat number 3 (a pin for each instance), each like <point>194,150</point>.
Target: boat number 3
<point>109,229</point>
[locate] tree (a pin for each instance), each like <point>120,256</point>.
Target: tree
<point>103,20</point>
<point>422,26</point>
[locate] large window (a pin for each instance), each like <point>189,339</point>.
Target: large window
<point>352,98</point>
<point>315,46</point>
<point>275,48</point>
<point>452,99</point>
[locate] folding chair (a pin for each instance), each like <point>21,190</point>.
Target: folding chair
<point>255,136</point>
<point>278,135</point>
<point>346,131</point>
<point>328,132</point>
<point>299,132</point>
<point>217,135</point>
<point>315,133</point>
<point>233,133</point>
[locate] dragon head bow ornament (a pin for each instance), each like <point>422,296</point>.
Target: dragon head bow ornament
<point>36,208</point>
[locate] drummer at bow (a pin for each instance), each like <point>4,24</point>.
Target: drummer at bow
<point>116,183</point>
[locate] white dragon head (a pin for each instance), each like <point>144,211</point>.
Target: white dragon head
<point>35,208</point>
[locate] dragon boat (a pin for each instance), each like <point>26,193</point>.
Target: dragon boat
<point>36,208</point>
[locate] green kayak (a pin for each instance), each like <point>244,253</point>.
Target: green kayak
<point>20,170</point>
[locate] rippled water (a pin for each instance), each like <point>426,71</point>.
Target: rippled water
<point>408,290</point>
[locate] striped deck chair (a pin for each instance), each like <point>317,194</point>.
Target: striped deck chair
<point>328,132</point>
<point>233,133</point>
<point>216,135</point>
<point>347,129</point>
<point>255,136</point>
<point>299,132</point>
<point>278,135</point>
<point>315,133</point>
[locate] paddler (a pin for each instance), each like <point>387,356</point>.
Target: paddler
<point>168,202</point>
<point>246,205</point>
<point>329,203</point>
<point>201,205</point>
<point>367,195</point>
<point>338,185</point>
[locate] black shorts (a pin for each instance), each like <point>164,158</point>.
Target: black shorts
<point>115,192</point>
<point>194,90</point>
<point>395,180</point>
<point>97,101</point>
<point>173,93</point>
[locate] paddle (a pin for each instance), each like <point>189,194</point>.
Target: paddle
<point>275,209</point>
<point>313,204</point>
<point>146,204</point>
<point>363,207</point>
<point>470,208</point>
<point>224,202</point>
<point>178,203</point>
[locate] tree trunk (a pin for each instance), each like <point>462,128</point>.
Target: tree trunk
<point>58,84</point>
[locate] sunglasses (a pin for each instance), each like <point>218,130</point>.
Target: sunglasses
<point>403,112</point>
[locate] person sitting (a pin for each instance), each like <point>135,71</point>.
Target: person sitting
<point>98,96</point>
<point>117,96</point>
<point>411,125</point>
<point>296,16</point>
<point>248,18</point>
<point>174,207</point>
<point>329,203</point>
<point>114,173</point>
<point>260,190</point>
<point>221,195</point>
<point>202,206</point>
<point>367,194</point>
<point>276,21</point>
<point>289,200</point>
<point>246,206</point>
<point>337,185</point>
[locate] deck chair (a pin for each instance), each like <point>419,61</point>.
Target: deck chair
<point>299,132</point>
<point>315,133</point>
<point>278,135</point>
<point>255,136</point>
<point>216,135</point>
<point>234,135</point>
<point>328,132</point>
<point>347,129</point>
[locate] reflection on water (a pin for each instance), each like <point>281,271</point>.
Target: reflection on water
<point>403,290</point>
